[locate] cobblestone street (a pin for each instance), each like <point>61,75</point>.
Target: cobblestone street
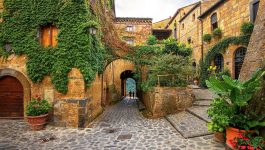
<point>120,127</point>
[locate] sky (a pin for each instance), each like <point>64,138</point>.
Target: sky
<point>156,9</point>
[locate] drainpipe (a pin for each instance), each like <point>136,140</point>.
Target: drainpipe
<point>202,46</point>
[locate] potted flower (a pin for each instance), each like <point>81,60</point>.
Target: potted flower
<point>37,113</point>
<point>249,141</point>
<point>235,96</point>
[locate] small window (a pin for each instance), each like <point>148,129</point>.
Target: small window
<point>254,10</point>
<point>130,28</point>
<point>214,21</point>
<point>130,41</point>
<point>193,17</point>
<point>49,35</point>
<point>183,26</point>
<point>189,40</point>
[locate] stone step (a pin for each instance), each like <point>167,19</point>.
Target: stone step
<point>203,94</point>
<point>203,102</point>
<point>188,125</point>
<point>200,112</point>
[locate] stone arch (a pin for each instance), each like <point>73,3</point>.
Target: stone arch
<point>112,81</point>
<point>23,80</point>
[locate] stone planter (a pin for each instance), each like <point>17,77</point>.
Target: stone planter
<point>219,137</point>
<point>37,122</point>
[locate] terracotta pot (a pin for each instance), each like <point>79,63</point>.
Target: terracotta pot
<point>196,82</point>
<point>37,122</point>
<point>231,134</point>
<point>219,137</point>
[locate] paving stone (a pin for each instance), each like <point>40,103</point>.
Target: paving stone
<point>202,102</point>
<point>123,116</point>
<point>188,125</point>
<point>200,111</point>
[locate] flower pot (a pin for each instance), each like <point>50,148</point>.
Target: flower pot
<point>37,122</point>
<point>219,137</point>
<point>231,134</point>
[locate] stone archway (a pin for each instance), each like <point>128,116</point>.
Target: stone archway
<point>128,74</point>
<point>22,79</point>
<point>112,89</point>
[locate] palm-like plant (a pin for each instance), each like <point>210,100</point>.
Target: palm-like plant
<point>237,95</point>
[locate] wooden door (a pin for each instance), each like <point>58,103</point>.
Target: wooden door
<point>239,60</point>
<point>11,98</point>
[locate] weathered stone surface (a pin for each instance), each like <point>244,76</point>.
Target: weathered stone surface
<point>165,100</point>
<point>256,49</point>
<point>124,118</point>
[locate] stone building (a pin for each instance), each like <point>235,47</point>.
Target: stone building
<point>81,104</point>
<point>134,31</point>
<point>203,18</point>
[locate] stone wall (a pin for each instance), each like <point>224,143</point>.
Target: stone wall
<point>75,109</point>
<point>142,28</point>
<point>167,100</point>
<point>256,50</point>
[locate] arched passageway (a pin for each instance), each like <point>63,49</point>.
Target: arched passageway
<point>127,79</point>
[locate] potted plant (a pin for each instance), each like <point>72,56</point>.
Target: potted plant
<point>249,141</point>
<point>217,33</point>
<point>37,113</point>
<point>207,37</point>
<point>235,96</point>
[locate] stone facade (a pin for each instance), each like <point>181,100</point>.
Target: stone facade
<point>133,31</point>
<point>197,22</point>
<point>162,101</point>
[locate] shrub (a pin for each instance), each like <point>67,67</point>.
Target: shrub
<point>38,107</point>
<point>217,33</point>
<point>207,37</point>
<point>247,28</point>
<point>152,40</point>
<point>173,47</point>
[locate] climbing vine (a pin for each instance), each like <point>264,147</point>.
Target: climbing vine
<point>76,47</point>
<point>220,47</point>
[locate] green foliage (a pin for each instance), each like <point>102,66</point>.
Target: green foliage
<point>76,47</point>
<point>171,46</point>
<point>247,28</point>
<point>237,96</point>
<point>220,113</point>
<point>207,37</point>
<point>38,107</point>
<point>151,40</point>
<point>217,33</point>
<point>250,140</point>
<point>219,47</point>
<point>170,59</point>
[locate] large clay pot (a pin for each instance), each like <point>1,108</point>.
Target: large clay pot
<point>231,134</point>
<point>37,122</point>
<point>219,137</point>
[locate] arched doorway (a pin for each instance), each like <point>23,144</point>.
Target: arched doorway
<point>239,59</point>
<point>219,62</point>
<point>125,76</point>
<point>11,98</point>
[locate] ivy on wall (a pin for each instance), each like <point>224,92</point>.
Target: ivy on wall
<point>218,48</point>
<point>76,48</point>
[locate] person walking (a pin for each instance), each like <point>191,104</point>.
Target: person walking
<point>130,94</point>
<point>133,94</point>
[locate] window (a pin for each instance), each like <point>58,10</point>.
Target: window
<point>130,41</point>
<point>130,28</point>
<point>193,17</point>
<point>219,62</point>
<point>175,30</point>
<point>189,40</point>
<point>214,22</point>
<point>254,6</point>
<point>183,26</point>
<point>49,36</point>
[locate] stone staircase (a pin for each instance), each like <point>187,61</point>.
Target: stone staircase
<point>193,122</point>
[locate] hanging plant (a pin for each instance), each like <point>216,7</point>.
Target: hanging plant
<point>207,37</point>
<point>217,33</point>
